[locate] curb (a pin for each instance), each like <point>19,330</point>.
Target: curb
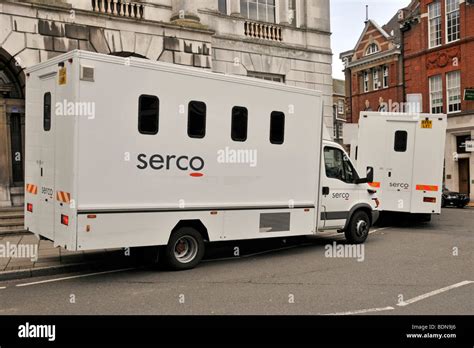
<point>44,271</point>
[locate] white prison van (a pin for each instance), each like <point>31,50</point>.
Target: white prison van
<point>126,152</point>
<point>407,154</point>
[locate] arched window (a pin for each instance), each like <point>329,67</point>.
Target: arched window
<point>373,48</point>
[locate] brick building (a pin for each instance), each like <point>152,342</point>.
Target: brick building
<point>373,69</point>
<point>438,42</point>
<point>339,108</point>
<point>279,40</point>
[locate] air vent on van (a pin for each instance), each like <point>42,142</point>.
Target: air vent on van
<point>87,73</point>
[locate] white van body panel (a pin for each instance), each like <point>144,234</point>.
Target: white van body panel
<point>110,187</point>
<point>404,177</point>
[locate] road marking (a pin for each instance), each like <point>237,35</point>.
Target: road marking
<point>2,287</point>
<point>435,292</point>
<point>74,277</point>
<point>361,311</point>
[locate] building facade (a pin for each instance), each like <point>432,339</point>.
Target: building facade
<point>438,39</point>
<point>339,108</point>
<point>373,70</point>
<point>287,41</point>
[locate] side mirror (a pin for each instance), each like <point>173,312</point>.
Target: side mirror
<point>370,174</point>
<point>369,178</point>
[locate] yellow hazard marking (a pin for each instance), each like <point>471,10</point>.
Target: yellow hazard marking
<point>62,76</point>
<point>427,124</point>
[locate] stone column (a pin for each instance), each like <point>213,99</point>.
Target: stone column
<point>185,12</point>
<point>235,8</point>
<point>283,12</point>
<point>4,156</point>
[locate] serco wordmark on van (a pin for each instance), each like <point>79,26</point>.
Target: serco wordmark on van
<point>172,162</point>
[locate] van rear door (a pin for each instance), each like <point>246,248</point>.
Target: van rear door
<point>398,184</point>
<point>46,162</point>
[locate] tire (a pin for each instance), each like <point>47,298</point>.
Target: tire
<point>358,229</point>
<point>185,249</point>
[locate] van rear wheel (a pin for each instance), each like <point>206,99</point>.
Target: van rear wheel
<point>185,249</point>
<point>358,229</point>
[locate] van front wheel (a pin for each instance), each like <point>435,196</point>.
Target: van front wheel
<point>358,229</point>
<point>185,249</point>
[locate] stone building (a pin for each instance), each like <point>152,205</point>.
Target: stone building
<point>438,40</point>
<point>280,40</point>
<point>373,69</point>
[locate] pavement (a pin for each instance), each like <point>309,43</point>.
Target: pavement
<point>419,269</point>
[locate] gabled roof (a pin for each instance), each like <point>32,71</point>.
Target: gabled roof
<point>367,25</point>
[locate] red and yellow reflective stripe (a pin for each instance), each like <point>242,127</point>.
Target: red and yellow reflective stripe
<point>427,188</point>
<point>374,184</point>
<point>33,189</point>
<point>64,197</point>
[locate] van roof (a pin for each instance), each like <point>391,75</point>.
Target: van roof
<point>173,68</point>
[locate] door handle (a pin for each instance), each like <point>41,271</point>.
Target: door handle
<point>325,190</point>
<point>389,174</point>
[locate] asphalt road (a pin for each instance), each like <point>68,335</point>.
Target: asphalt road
<point>411,265</point>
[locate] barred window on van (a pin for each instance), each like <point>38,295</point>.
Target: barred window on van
<point>197,119</point>
<point>239,123</point>
<point>148,114</point>
<point>277,128</point>
<point>47,111</point>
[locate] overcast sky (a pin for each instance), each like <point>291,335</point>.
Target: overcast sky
<point>347,23</point>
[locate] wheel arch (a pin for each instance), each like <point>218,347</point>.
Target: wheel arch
<point>358,207</point>
<point>194,223</point>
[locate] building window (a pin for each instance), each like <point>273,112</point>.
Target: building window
<point>434,16</point>
<point>373,48</point>
<point>197,119</point>
<point>401,138</point>
<point>47,112</point>
<point>148,114</point>
<point>239,123</point>
<point>268,77</point>
<point>222,6</point>
<point>277,127</point>
<point>461,143</point>
<point>259,10</point>
<point>436,94</point>
<point>340,106</point>
<point>453,88</point>
<point>375,78</point>
<point>366,81</point>
<point>385,76</point>
<point>452,20</point>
